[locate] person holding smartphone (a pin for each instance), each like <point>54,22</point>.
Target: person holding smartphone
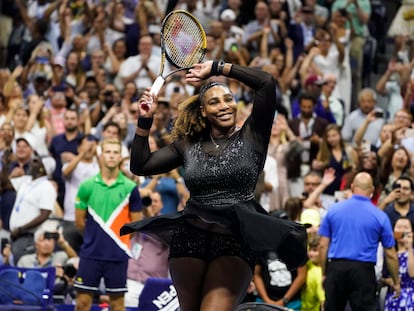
<point>398,202</point>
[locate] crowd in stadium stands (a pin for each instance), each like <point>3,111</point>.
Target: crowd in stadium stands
<point>71,72</point>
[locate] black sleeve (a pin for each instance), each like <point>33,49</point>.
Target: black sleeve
<point>259,124</point>
<point>143,162</point>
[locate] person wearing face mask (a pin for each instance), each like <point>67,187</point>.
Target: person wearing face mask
<point>215,240</point>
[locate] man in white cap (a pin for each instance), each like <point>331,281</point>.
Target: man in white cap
<point>234,34</point>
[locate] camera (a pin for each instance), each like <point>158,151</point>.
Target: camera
<point>146,201</point>
<point>69,270</point>
<point>379,114</point>
<point>51,235</point>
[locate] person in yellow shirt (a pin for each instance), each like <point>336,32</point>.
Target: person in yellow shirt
<point>313,294</point>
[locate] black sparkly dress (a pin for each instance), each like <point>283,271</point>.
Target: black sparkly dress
<point>221,180</point>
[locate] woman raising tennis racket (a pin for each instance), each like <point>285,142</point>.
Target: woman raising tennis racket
<point>214,241</point>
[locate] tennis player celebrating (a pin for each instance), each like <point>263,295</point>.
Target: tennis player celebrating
<point>213,242</point>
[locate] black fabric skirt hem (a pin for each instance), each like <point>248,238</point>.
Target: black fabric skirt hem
<point>260,231</point>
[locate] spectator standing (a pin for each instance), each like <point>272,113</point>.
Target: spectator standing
<point>22,156</point>
<point>359,13</point>
<point>81,167</point>
<point>403,233</point>
<point>302,29</point>
<point>398,202</point>
<point>367,100</point>
<point>347,259</point>
<point>34,203</point>
<point>63,147</point>
<point>103,204</point>
<point>313,187</point>
<point>255,29</point>
<point>395,164</point>
<point>142,68</point>
<point>280,137</point>
<point>313,86</point>
<point>334,153</point>
<point>309,129</point>
<point>330,101</point>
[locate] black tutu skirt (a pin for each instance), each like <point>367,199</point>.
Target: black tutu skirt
<point>248,220</point>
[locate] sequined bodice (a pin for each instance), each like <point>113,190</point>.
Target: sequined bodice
<point>226,178</point>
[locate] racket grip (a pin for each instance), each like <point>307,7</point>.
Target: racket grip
<point>146,105</point>
<point>157,85</point>
<point>155,88</point>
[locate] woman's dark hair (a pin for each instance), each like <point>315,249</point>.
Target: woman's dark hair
<point>293,208</point>
<point>386,165</point>
<point>306,96</point>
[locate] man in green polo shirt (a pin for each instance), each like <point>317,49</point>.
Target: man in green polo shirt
<point>104,203</point>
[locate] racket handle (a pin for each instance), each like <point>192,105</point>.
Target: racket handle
<point>155,88</point>
<point>146,105</point>
<point>157,85</point>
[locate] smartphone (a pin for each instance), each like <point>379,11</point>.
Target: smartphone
<point>43,60</point>
<point>51,235</point>
<point>379,114</point>
<point>396,186</point>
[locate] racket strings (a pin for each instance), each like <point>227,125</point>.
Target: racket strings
<point>183,40</point>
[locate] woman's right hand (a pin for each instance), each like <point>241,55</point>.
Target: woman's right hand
<point>199,72</point>
<point>147,104</point>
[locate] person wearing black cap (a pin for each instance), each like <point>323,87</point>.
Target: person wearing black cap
<point>35,201</point>
<point>23,154</point>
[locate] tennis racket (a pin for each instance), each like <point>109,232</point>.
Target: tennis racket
<point>183,44</point>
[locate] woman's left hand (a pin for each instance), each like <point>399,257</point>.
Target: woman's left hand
<point>199,72</point>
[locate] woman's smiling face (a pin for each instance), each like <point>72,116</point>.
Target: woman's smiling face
<point>219,107</point>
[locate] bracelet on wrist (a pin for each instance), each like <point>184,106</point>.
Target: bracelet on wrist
<point>214,69</point>
<point>220,67</point>
<point>179,180</point>
<point>145,123</point>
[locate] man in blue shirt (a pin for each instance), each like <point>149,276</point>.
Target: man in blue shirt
<point>350,233</point>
